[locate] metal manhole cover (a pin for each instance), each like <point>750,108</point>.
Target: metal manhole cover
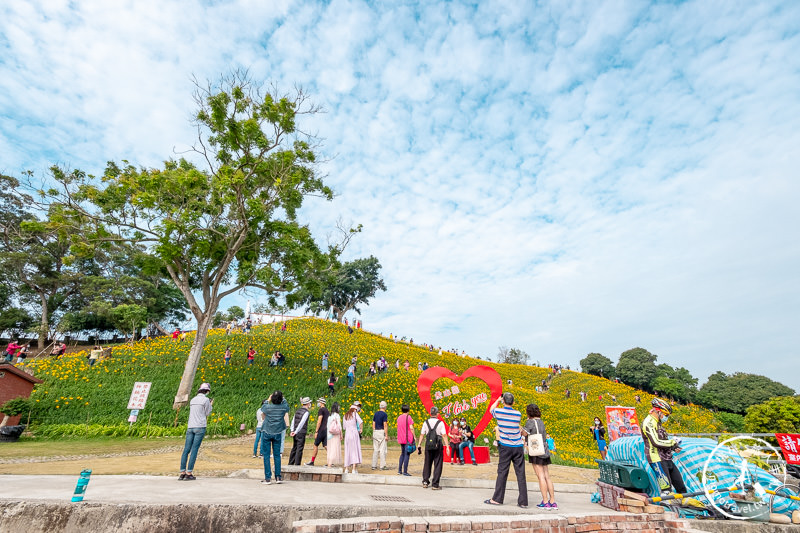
<point>389,498</point>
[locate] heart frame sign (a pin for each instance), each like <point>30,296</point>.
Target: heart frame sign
<point>487,374</point>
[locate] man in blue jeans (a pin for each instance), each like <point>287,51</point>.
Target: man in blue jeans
<point>199,409</point>
<point>276,419</point>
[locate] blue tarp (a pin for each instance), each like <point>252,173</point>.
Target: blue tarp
<point>726,466</point>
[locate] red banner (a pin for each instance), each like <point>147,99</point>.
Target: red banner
<point>790,446</point>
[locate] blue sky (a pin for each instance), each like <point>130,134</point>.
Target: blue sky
<point>565,177</point>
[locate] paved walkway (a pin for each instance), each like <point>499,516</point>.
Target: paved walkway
<point>384,499</point>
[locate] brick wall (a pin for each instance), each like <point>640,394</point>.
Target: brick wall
<point>13,386</point>
<point>640,523</point>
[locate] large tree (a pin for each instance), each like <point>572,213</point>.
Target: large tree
<point>219,228</point>
<point>342,287</point>
<point>597,365</point>
<point>637,368</point>
<point>736,392</point>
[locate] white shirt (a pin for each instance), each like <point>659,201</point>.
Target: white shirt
<point>259,418</point>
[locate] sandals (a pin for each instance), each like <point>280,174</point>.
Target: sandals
<point>490,502</point>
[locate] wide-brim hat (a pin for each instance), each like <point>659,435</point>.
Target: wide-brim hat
<point>305,400</point>
<point>205,386</point>
<point>323,401</point>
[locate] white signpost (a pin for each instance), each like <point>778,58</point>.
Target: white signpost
<point>139,394</point>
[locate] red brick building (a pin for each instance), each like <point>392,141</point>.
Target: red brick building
<point>15,383</point>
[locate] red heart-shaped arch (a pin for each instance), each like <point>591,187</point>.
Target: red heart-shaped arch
<point>487,374</point>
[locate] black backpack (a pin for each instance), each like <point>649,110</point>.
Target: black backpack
<point>433,441</point>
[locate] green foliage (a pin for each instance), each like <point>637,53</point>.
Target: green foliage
<point>736,392</point>
<point>637,368</point>
<point>15,320</point>
<point>512,356</point>
<point>15,407</point>
<point>674,383</point>
<point>235,313</point>
<point>776,415</point>
<point>343,287</point>
<point>218,229</point>
<point>598,365</point>
<point>129,318</point>
<point>733,422</point>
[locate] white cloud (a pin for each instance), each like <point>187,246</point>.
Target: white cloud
<point>564,177</point>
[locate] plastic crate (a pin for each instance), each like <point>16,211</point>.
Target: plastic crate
<point>623,475</point>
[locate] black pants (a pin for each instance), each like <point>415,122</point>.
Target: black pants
<point>296,455</point>
<point>510,455</point>
<point>674,476</point>
<point>432,458</point>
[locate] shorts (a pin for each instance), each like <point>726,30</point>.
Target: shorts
<point>544,461</point>
<point>322,438</point>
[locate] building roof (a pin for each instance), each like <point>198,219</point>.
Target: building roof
<point>5,367</point>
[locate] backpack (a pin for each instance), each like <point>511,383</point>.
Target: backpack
<point>433,441</point>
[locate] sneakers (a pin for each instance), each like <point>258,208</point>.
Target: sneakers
<point>552,506</point>
<point>266,482</point>
<point>278,480</point>
<point>474,463</point>
<point>182,476</point>
<point>424,484</point>
<point>190,477</point>
<point>406,474</point>
<point>436,488</point>
<point>310,463</point>
<point>543,505</point>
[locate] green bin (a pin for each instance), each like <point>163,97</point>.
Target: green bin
<point>623,475</point>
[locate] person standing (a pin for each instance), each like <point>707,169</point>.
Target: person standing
<point>658,447</point>
<point>325,361</point>
<point>380,432</point>
<point>334,436</point>
<point>298,431</point>
<point>435,442</point>
<point>199,409</point>
<point>352,439</point>
<point>332,384</point>
<point>599,435</point>
<point>227,355</point>
<point>321,431</point>
<point>511,451</point>
<point>276,418</point>
<point>251,356</point>
<point>541,464</point>
<point>351,375</point>
<point>405,437</point>
<point>259,422</point>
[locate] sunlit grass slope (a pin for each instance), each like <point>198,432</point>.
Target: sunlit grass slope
<point>78,400</point>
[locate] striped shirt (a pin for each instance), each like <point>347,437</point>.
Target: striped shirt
<point>508,420</point>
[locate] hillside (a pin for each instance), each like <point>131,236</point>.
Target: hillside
<point>79,400</point>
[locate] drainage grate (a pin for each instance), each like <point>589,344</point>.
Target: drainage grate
<point>389,498</point>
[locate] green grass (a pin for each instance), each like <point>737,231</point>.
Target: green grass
<point>81,401</point>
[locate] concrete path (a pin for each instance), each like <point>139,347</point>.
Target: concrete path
<point>383,498</point>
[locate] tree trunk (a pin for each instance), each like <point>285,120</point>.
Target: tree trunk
<point>4,423</point>
<point>189,371</point>
<point>45,326</point>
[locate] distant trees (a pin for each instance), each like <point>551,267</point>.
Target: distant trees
<point>512,356</point>
<point>736,392</point>
<point>341,286</point>
<point>676,383</point>
<point>598,365</point>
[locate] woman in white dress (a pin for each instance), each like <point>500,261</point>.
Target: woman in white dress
<point>352,439</point>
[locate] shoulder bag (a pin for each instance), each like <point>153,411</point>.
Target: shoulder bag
<point>536,444</point>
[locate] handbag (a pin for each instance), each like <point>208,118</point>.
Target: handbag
<point>336,429</point>
<point>411,447</point>
<point>536,444</point>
